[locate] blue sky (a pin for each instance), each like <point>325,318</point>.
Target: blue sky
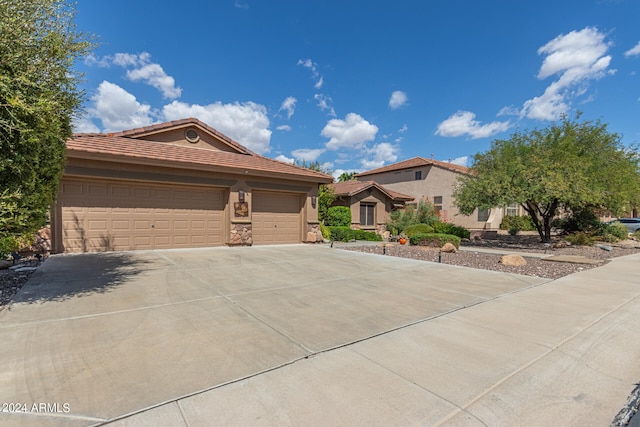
<point>357,85</point>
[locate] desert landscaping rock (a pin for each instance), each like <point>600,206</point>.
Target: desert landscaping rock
<point>449,248</point>
<point>513,260</point>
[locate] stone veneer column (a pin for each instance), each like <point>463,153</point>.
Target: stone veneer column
<point>314,234</point>
<point>241,235</point>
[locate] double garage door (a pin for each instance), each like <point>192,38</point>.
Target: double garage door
<point>113,215</point>
<point>102,215</point>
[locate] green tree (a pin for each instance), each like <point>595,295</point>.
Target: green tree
<point>568,165</point>
<point>326,196</point>
<point>39,97</point>
<point>347,176</point>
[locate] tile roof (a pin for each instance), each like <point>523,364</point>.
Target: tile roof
<point>124,148</point>
<point>416,162</point>
<point>350,188</point>
<point>176,124</point>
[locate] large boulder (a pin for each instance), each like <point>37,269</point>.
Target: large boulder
<point>512,260</point>
<point>449,247</point>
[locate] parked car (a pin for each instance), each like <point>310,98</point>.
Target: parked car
<point>632,224</point>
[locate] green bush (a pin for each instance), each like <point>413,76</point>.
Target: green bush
<point>339,216</point>
<point>448,228</point>
<point>423,213</point>
<point>581,219</point>
<point>580,239</point>
<point>434,239</point>
<point>417,229</point>
<point>513,231</point>
<point>10,244</point>
<point>344,234</point>
<point>612,232</point>
<point>326,233</point>
<point>520,222</point>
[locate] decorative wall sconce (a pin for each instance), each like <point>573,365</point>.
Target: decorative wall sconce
<point>314,201</point>
<point>241,196</point>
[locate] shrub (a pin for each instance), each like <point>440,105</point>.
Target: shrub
<point>434,239</point>
<point>339,216</point>
<point>326,233</point>
<point>580,239</point>
<point>521,222</point>
<point>618,230</point>
<point>448,228</point>
<point>423,213</point>
<point>581,219</point>
<point>344,234</point>
<point>513,231</point>
<point>417,229</point>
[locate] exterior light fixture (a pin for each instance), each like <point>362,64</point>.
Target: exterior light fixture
<point>314,201</point>
<point>241,196</point>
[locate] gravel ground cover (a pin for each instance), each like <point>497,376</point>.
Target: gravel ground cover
<point>503,242</point>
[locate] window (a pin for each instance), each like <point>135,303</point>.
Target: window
<point>437,203</point>
<point>483,215</point>
<point>418,175</point>
<point>367,214</point>
<point>512,209</point>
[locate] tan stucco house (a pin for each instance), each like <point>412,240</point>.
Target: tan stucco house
<point>433,180</point>
<point>180,184</point>
<point>370,203</point>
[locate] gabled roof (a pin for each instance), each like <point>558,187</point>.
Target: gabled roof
<point>351,188</point>
<point>148,131</point>
<point>416,162</point>
<point>126,147</point>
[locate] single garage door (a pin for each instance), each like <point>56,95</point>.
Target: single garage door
<point>276,218</point>
<point>121,215</point>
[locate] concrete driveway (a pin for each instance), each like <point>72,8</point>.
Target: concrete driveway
<point>312,335</point>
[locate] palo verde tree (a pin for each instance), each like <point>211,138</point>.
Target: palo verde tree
<point>39,97</point>
<point>569,165</point>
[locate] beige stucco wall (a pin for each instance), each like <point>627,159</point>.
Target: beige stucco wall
<point>232,182</point>
<point>435,182</point>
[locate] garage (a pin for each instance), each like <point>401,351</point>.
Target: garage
<point>276,218</point>
<point>179,184</point>
<point>99,215</point>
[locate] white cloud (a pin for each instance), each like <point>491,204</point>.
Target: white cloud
<point>247,123</point>
<point>508,111</point>
<point>403,129</point>
<point>289,105</point>
<point>118,110</point>
<point>338,172</point>
<point>464,123</point>
<point>241,5</point>
<point>308,154</point>
<point>285,159</point>
<point>576,58</point>
<point>315,75</point>
<point>324,102</point>
<point>380,154</point>
<point>140,68</point>
<point>284,128</point>
<point>84,125</point>
<point>633,51</point>
<point>352,132</point>
<point>398,99</point>
<point>460,161</point>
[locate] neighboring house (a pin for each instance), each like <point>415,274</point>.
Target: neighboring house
<point>370,203</point>
<point>180,184</point>
<point>433,180</point>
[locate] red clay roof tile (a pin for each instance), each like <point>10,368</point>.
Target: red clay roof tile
<point>125,146</point>
<point>416,162</point>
